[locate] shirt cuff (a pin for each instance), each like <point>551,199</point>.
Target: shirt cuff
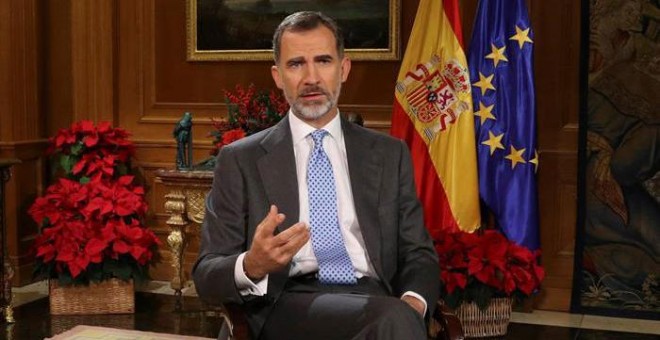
<point>419,297</point>
<point>244,284</point>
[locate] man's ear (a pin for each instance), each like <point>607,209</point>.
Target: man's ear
<point>345,68</point>
<point>275,72</point>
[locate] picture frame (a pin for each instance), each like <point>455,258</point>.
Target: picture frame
<point>241,30</point>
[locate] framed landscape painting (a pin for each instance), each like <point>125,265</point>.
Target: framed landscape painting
<point>242,30</point>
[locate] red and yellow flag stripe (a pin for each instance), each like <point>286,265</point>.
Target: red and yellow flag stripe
<point>433,113</point>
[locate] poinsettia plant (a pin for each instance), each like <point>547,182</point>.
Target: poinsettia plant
<point>248,111</point>
<point>92,217</point>
<point>475,267</point>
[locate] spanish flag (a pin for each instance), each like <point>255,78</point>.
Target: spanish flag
<point>433,114</point>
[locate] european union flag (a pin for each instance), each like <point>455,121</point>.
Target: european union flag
<point>500,63</point>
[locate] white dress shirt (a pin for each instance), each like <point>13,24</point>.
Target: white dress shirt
<point>304,261</point>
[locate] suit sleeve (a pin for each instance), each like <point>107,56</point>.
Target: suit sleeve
<point>223,234</point>
<point>418,269</point>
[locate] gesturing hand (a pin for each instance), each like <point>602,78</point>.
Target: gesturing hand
<point>269,252</point>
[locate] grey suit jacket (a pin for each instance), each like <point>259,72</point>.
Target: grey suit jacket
<point>257,171</point>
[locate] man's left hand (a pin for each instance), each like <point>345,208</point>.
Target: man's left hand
<point>415,303</point>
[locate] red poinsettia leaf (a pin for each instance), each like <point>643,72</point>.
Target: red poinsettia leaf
<point>509,283</point>
<point>60,139</point>
<point>539,272</point>
<point>448,280</point>
<point>106,208</point>
<point>96,258</point>
<point>95,246</point>
<point>137,252</point>
<point>79,166</point>
<point>47,251</point>
<point>485,275</point>
<point>91,140</point>
<point>521,254</point>
<point>461,280</point>
<point>124,208</point>
<point>108,233</point>
<point>94,204</point>
<point>65,255</point>
<point>74,269</point>
<point>104,127</point>
<point>458,261</point>
<point>121,247</point>
<point>125,180</point>
<point>87,126</point>
<point>81,261</point>
<point>475,265</point>
<point>232,135</point>
<point>135,234</point>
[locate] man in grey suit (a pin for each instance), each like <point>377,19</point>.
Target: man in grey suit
<point>272,210</point>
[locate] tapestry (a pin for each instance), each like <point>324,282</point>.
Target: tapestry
<point>617,267</point>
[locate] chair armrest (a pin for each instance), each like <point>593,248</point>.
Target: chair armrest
<point>224,314</point>
<point>445,325</point>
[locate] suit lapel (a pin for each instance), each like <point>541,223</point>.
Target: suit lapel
<point>281,185</point>
<point>280,182</point>
<point>365,171</point>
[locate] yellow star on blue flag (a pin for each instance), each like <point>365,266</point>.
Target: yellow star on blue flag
<point>501,53</point>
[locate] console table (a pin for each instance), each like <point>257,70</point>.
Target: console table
<point>6,270</point>
<point>185,203</point>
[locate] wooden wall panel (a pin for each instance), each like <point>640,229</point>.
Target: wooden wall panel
<point>162,84</point>
<point>58,97</point>
<point>557,52</point>
<point>21,121</point>
<point>156,85</point>
<point>124,61</point>
<point>92,56</point>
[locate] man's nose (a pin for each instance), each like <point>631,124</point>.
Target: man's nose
<point>311,74</point>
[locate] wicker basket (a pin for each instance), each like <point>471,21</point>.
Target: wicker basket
<point>482,323</point>
<point>112,296</point>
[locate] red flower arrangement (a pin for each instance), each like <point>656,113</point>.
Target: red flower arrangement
<point>92,218</point>
<point>248,111</point>
<point>479,266</point>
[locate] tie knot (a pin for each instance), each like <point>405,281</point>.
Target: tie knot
<point>317,136</point>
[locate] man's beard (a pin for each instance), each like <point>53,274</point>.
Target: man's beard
<point>313,110</point>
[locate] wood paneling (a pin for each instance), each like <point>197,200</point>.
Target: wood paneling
<point>21,121</point>
<point>25,185</point>
<point>556,58</point>
<point>92,57</point>
<point>125,61</point>
<point>157,84</point>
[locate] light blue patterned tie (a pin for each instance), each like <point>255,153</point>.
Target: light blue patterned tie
<point>335,266</point>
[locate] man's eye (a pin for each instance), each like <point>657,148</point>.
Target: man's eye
<point>295,64</point>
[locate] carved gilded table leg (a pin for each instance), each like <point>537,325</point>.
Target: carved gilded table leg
<point>175,205</point>
<point>184,203</point>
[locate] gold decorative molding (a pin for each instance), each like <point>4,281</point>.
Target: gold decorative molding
<point>185,206</point>
<point>195,201</point>
<point>392,52</point>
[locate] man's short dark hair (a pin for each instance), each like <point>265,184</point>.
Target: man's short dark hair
<point>306,21</point>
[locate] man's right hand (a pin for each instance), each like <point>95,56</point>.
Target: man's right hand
<point>269,252</point>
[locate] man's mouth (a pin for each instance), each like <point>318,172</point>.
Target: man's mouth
<point>313,94</point>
